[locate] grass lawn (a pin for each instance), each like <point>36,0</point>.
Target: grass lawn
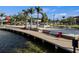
<point>75,26</point>
<point>72,26</point>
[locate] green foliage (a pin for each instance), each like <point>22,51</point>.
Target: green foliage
<point>31,10</point>
<point>38,9</point>
<point>75,26</point>
<point>35,29</point>
<point>31,48</point>
<point>69,20</point>
<point>44,18</point>
<point>25,12</point>
<point>27,15</point>
<point>2,14</point>
<point>12,20</point>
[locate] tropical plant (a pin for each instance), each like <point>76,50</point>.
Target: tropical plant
<point>69,21</point>
<point>31,11</point>
<point>25,13</point>
<point>2,15</point>
<point>44,19</point>
<point>38,9</point>
<point>11,20</point>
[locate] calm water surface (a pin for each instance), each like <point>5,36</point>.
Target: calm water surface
<point>10,41</point>
<point>65,31</point>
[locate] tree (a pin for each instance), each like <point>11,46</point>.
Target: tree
<point>69,21</point>
<point>25,13</point>
<point>62,20</point>
<point>38,9</point>
<point>44,18</point>
<point>57,21</point>
<point>12,20</point>
<point>2,15</point>
<point>31,11</point>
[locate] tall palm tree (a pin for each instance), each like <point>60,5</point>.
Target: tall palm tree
<point>31,11</point>
<point>38,9</point>
<point>1,15</point>
<point>15,18</point>
<point>25,13</point>
<point>44,19</point>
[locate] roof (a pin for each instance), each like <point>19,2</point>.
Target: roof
<point>76,17</point>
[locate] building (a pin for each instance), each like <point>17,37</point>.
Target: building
<point>76,19</point>
<point>5,20</point>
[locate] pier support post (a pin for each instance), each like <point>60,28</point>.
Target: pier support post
<point>75,45</point>
<point>43,41</point>
<point>56,48</point>
<point>74,50</point>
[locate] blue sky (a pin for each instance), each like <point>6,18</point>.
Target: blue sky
<point>59,11</point>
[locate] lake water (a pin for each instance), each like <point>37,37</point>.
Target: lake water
<point>65,31</point>
<point>10,41</point>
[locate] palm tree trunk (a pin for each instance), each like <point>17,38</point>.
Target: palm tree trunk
<point>2,22</point>
<point>25,23</point>
<point>31,22</point>
<point>43,24</point>
<point>37,20</point>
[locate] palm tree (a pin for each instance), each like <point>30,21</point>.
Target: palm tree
<point>44,19</point>
<point>1,15</point>
<point>38,9</point>
<point>31,11</point>
<point>25,13</point>
<point>15,18</point>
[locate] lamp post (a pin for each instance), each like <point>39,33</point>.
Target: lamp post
<point>53,19</point>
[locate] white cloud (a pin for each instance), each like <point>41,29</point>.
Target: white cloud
<point>35,15</point>
<point>46,9</point>
<point>58,16</point>
<point>74,15</point>
<point>49,10</point>
<point>62,14</point>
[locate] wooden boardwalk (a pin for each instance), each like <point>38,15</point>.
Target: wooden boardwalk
<point>60,42</point>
